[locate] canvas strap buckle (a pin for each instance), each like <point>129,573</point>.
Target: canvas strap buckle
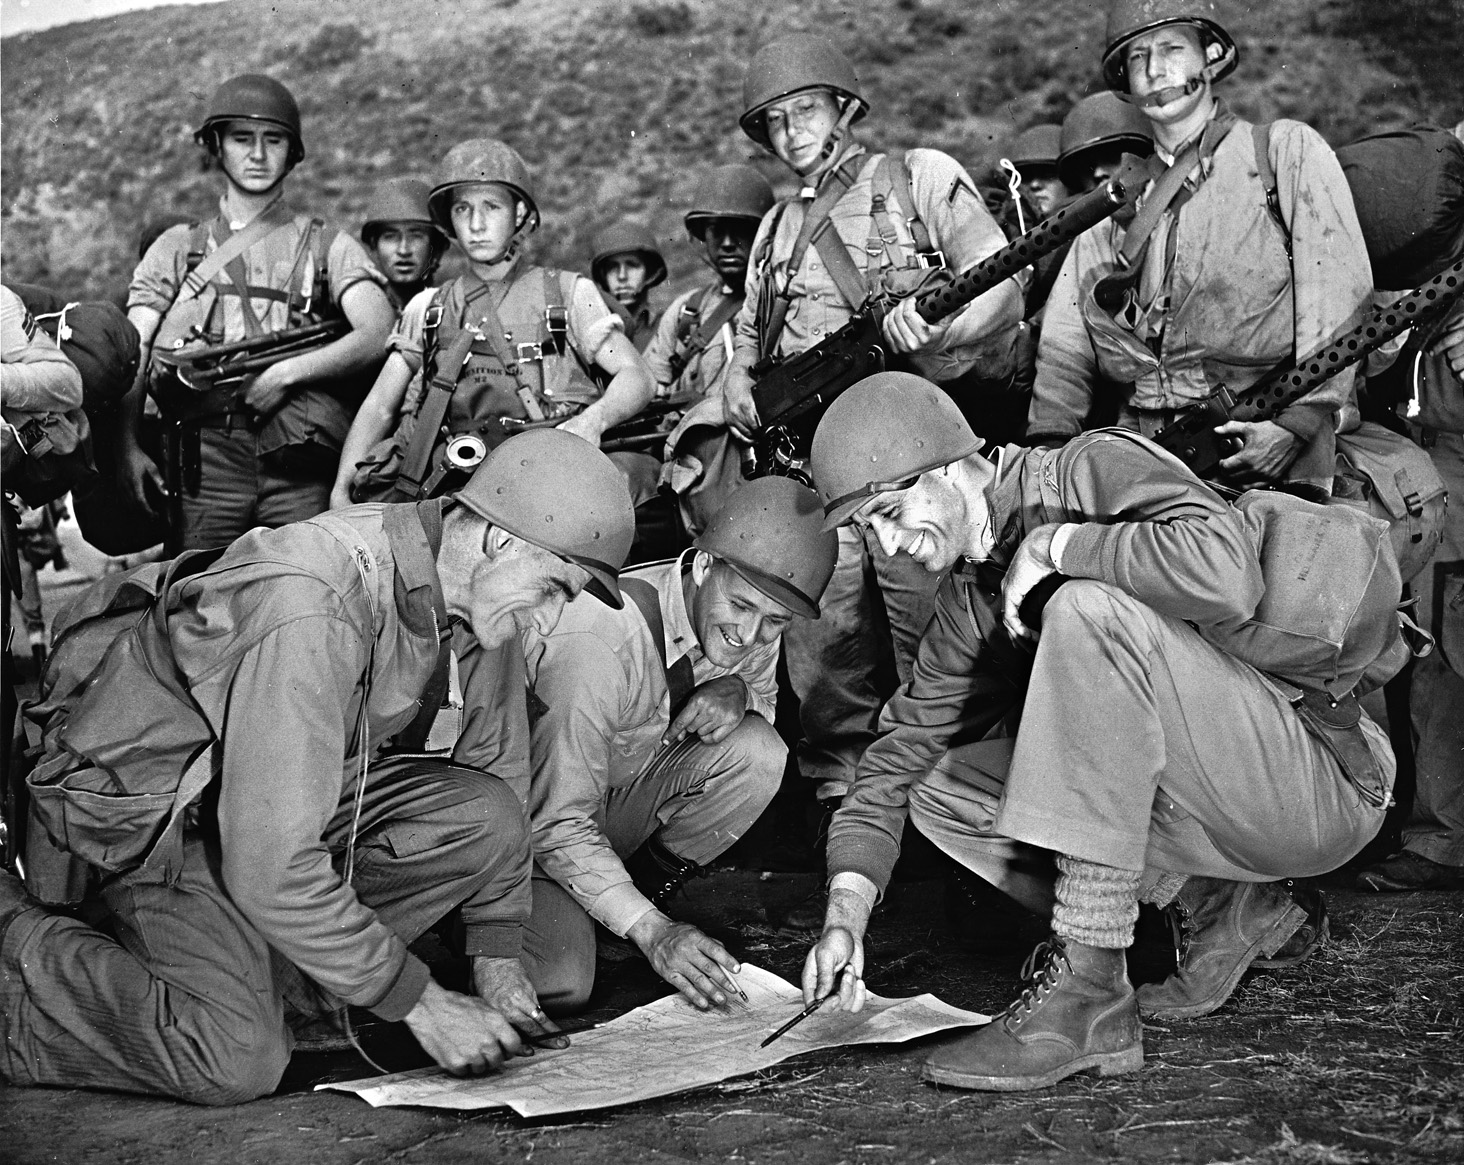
<point>527,352</point>
<point>931,260</point>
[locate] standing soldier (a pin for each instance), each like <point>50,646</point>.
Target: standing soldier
<point>400,234</point>
<point>1218,278</point>
<point>865,227</point>
<point>506,344</point>
<point>625,266</point>
<point>692,349</point>
<point>266,454</point>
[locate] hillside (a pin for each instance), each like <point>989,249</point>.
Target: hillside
<point>615,103</point>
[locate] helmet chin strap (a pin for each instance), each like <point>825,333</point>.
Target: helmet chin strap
<point>828,155</point>
<point>1175,92</point>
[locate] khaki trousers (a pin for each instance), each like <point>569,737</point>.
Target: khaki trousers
<point>238,491</point>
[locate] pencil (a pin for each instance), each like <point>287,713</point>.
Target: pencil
<point>797,1019</point>
<point>542,1041</point>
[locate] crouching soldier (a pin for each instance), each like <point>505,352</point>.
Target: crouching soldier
<point>625,266</point>
<point>503,346</point>
<point>1177,742</point>
<point>401,236</point>
<point>305,860</point>
<point>693,346</point>
<point>653,745</point>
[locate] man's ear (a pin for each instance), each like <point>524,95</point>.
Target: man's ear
<point>701,566</point>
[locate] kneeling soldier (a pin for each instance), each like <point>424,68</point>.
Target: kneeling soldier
<point>307,860</point>
<point>1175,745</point>
<point>653,747</point>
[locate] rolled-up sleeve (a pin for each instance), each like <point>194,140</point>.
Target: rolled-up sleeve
<point>35,375</point>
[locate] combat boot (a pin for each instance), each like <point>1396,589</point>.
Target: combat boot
<point>658,873</point>
<point>1077,1014</point>
<point>1224,927</point>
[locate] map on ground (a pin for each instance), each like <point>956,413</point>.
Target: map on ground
<point>664,1047</point>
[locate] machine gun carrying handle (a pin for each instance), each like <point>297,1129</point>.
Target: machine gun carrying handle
<point>1045,237</point>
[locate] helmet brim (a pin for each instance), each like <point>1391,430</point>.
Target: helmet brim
<point>776,589</point>
<point>839,511</point>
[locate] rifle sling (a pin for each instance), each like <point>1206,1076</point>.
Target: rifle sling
<point>680,679</point>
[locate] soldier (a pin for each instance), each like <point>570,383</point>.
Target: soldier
<point>894,217</point>
<point>1096,133</point>
<point>308,859</point>
<point>402,237</point>
<point>625,265</point>
<point>1035,154</point>
<point>1149,759</point>
<point>266,456</point>
<point>1213,282</point>
<point>692,349</point>
<point>653,745</point>
<point>506,343</point>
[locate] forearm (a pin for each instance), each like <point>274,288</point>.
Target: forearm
<point>41,385</point>
<point>629,391</point>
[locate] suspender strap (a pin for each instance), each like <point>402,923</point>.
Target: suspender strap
<point>853,284</point>
<point>1261,139</point>
<point>1168,186</point>
<point>679,676</point>
<point>900,181</point>
<point>233,247</point>
<point>697,343</point>
<point>399,522</point>
<point>493,334</point>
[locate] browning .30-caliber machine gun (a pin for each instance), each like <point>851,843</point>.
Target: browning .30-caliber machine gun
<point>791,393</point>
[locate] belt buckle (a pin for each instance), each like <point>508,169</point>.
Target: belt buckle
<point>527,352</point>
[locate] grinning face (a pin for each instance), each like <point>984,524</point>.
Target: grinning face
<point>798,126</point>
<point>625,276</point>
<point>403,251</point>
<point>730,615</point>
<point>516,586</point>
<point>484,216</point>
<point>1167,57</point>
<point>728,246</point>
<point>255,154</point>
<point>932,521</point>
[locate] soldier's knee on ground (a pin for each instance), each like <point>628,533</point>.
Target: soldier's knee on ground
<point>243,1069</point>
<point>489,824</point>
<point>564,986</point>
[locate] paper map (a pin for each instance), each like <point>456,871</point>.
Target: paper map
<point>667,1046</point>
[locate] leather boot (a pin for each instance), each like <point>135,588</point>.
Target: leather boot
<point>658,873</point>
<point>1311,936</point>
<point>1076,1014</point>
<point>807,914</point>
<point>1223,926</point>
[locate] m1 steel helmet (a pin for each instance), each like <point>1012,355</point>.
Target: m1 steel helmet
<point>1101,122</point>
<point>791,65</point>
<point>482,160</point>
<point>771,533</point>
<point>1036,150</point>
<point>1130,18</point>
<point>880,435</point>
<point>561,493</point>
<point>627,238</point>
<point>399,200</point>
<point>735,191</point>
<point>252,97</point>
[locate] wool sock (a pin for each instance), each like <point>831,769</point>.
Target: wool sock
<point>1096,905</point>
<point>1161,887</point>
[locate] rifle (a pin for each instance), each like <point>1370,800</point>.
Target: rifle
<point>790,389</point>
<point>192,385</point>
<point>1191,436</point>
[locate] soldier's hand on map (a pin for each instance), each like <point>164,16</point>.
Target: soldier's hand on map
<point>1267,450</point>
<point>695,964</point>
<point>269,390</point>
<point>463,1034</point>
<point>504,985</point>
<point>905,331</point>
<point>711,712</point>
<point>835,966</point>
<point>738,406</point>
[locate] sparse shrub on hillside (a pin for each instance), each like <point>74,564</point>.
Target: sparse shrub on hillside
<point>662,18</point>
<point>333,45</point>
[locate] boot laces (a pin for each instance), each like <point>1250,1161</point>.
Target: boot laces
<point>1041,972</point>
<point>1182,926</point>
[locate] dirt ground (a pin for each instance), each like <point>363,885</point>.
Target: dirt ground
<point>1355,1057</point>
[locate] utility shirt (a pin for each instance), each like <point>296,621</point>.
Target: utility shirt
<point>600,706</point>
<point>678,370</point>
<point>35,375</point>
<point>276,641</point>
<point>959,225</point>
<point>1178,546</point>
<point>1224,303</point>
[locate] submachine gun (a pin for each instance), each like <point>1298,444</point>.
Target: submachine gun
<point>192,385</point>
<point>791,393</point>
<point>1191,436</point>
